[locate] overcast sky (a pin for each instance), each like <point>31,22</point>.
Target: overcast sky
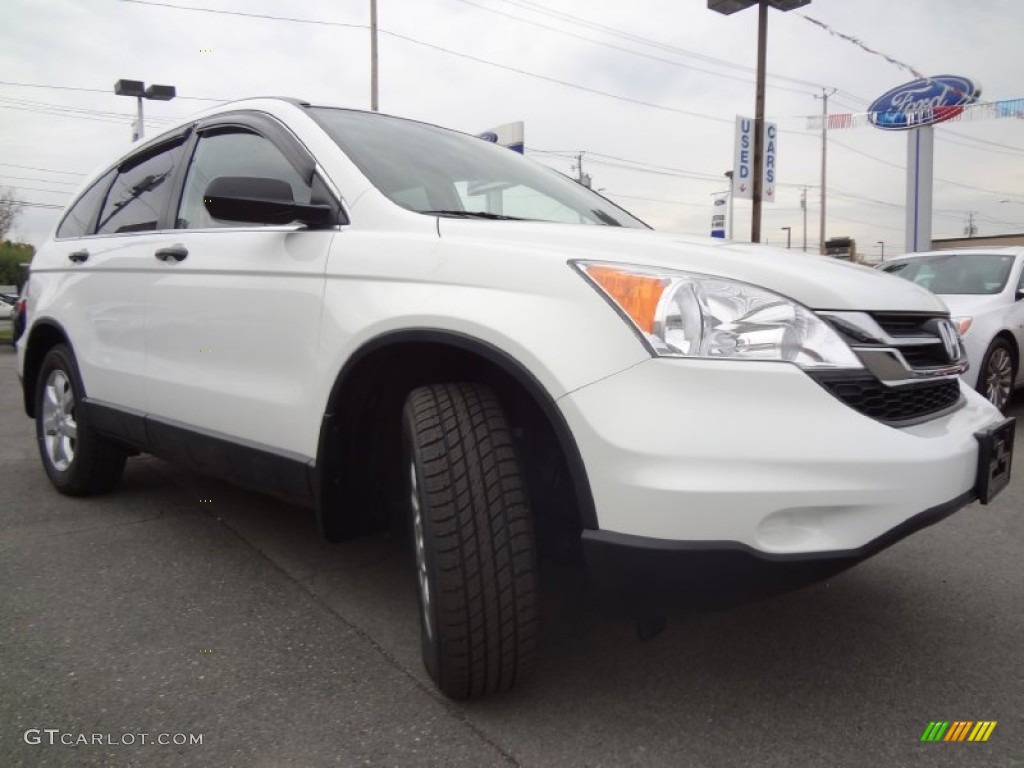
<point>692,68</point>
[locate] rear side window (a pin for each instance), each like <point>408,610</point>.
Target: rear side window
<point>140,193</point>
<point>81,219</point>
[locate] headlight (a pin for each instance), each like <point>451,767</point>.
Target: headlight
<point>962,324</point>
<point>684,314</point>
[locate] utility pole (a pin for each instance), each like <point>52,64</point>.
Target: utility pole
<point>803,206</point>
<point>373,55</point>
<point>824,150</point>
<point>970,228</point>
<point>581,177</point>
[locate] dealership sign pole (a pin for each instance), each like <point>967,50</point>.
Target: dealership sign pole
<point>757,181</point>
<point>915,107</point>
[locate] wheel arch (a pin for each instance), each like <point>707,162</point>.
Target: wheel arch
<point>360,429</point>
<point>44,335</point>
<point>1011,340</point>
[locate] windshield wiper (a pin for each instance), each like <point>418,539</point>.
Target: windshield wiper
<point>474,215</point>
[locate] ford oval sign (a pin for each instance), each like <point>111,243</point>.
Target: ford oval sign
<point>923,102</point>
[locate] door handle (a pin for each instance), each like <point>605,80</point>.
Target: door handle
<point>177,252</point>
<point>78,256</point>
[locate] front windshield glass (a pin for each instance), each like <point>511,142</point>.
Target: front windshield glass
<point>962,273</point>
<point>433,170</point>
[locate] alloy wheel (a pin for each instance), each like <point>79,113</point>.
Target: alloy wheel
<point>60,430</point>
<point>422,578</point>
<point>998,377</point>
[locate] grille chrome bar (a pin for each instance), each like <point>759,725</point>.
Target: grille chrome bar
<point>918,353</point>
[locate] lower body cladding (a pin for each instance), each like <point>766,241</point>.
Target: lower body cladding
<point>718,482</point>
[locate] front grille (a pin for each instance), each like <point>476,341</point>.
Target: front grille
<point>893,405</point>
<point>903,323</point>
<point>929,356</point>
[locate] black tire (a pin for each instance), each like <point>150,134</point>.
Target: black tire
<point>998,373</point>
<point>475,558</point>
<point>82,463</point>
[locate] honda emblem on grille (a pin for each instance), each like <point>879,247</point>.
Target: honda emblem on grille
<point>949,339</point>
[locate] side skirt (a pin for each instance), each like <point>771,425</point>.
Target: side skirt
<point>255,466</point>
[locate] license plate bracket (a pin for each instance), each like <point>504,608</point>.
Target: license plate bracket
<point>995,459</point>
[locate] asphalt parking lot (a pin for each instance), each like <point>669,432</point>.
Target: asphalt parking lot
<point>180,605</point>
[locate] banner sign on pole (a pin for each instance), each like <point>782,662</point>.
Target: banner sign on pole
<point>718,215</point>
<point>771,139</point>
<point>743,160</point>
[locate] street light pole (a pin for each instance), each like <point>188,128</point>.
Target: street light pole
<point>140,129</point>
<point>789,236</point>
<point>882,244</point>
<point>803,205</point>
<point>824,152</point>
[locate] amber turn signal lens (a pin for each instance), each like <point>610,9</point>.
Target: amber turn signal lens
<point>636,295</point>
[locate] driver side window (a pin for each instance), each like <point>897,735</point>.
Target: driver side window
<point>233,153</point>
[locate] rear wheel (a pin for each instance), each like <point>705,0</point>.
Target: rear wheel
<point>77,459</point>
<point>473,538</point>
<point>995,379</point>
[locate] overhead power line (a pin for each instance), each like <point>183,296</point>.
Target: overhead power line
<point>614,47</point>
<point>1004,149</point>
<point>569,18</point>
<point>64,192</point>
<point>46,170</point>
<point>42,181</point>
<point>656,200</point>
<point>94,90</point>
<point>32,204</point>
<point>442,49</point>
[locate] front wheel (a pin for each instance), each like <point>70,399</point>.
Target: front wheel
<point>77,459</point>
<point>995,379</point>
<point>472,532</point>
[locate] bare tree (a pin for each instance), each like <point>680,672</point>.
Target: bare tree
<point>10,209</point>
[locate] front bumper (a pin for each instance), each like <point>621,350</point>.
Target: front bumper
<point>646,575</point>
<point>734,467</point>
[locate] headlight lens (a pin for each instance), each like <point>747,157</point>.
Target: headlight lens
<point>962,324</point>
<point>684,314</point>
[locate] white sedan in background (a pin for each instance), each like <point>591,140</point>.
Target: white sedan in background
<point>984,290</point>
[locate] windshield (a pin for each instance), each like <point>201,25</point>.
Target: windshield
<point>433,170</point>
<point>963,273</point>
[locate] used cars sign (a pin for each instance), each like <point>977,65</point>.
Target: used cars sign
<point>923,102</point>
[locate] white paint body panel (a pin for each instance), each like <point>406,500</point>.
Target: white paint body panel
<point>761,454</point>
<point>247,336</point>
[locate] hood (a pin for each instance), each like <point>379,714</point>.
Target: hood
<point>815,281</point>
<point>971,304</point>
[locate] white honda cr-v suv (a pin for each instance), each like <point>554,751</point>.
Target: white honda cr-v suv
<point>506,358</point>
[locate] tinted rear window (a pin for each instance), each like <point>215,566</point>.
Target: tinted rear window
<point>80,220</point>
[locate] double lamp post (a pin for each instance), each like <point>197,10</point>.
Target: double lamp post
<point>138,89</point>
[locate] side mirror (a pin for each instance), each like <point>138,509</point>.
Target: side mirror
<point>256,200</point>
<point>1019,294</point>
